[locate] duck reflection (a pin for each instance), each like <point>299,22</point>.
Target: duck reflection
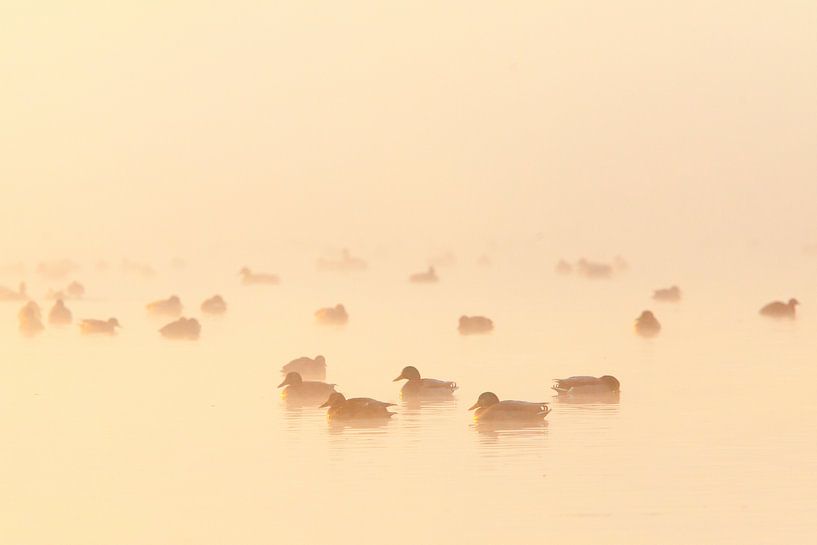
<point>493,431</point>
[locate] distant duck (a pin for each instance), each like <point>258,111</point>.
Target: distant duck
<point>356,408</point>
<point>59,314</point>
<point>297,387</point>
<point>56,269</point>
<point>475,325</point>
<point>172,306</point>
<point>590,269</point>
<point>75,290</point>
<point>214,305</point>
<point>484,260</point>
<point>307,367</point>
<point>182,329</point>
<point>420,387</point>
<point>671,294</point>
<point>647,325</point>
<point>563,267</point>
<point>489,407</point>
<point>336,315</point>
<point>446,259</point>
<point>586,385</point>
<point>30,321</point>
<point>7,294</point>
<point>778,309</point>
<point>428,277</point>
<point>99,327</point>
<point>141,269</point>
<point>249,278</point>
<point>347,262</point>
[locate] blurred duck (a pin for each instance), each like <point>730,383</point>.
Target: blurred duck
<point>428,277</point>
<point>172,306</point>
<point>586,385</point>
<point>7,294</point>
<point>475,325</point>
<point>29,319</point>
<point>183,328</point>
<point>420,387</point>
<point>356,407</point>
<point>484,260</point>
<point>778,309</point>
<point>297,387</point>
<point>647,325</point>
<point>249,278</point>
<point>671,294</point>
<point>75,290</point>
<point>336,315</point>
<point>563,267</point>
<point>99,327</point>
<point>307,367</point>
<point>214,305</point>
<point>59,314</point>
<point>346,263</point>
<point>590,269</point>
<point>489,407</point>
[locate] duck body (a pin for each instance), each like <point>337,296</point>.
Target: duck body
<point>30,320</point>
<point>779,309</point>
<point>356,408</point>
<point>591,269</point>
<point>7,294</point>
<point>423,387</point>
<point>172,306</point>
<point>336,315</point>
<point>490,408</point>
<point>299,389</point>
<point>647,325</point>
<point>428,277</point>
<point>182,329</point>
<point>59,314</point>
<point>99,327</point>
<point>475,325</point>
<point>311,368</point>
<point>346,263</point>
<point>215,305</point>
<point>671,294</point>
<point>586,385</point>
<point>249,278</point>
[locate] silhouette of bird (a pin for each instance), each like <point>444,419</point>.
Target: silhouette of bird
<point>778,309</point>
<point>671,294</point>
<point>172,306</point>
<point>297,387</point>
<point>7,294</point>
<point>182,329</point>
<point>428,277</point>
<point>99,327</point>
<point>336,315</point>
<point>647,325</point>
<point>249,278</point>
<point>307,367</point>
<point>356,408</point>
<point>214,305</point>
<point>586,385</point>
<point>475,325</point>
<point>59,314</point>
<point>421,387</point>
<point>489,407</point>
<point>29,318</point>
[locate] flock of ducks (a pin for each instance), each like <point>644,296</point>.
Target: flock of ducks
<point>304,377</point>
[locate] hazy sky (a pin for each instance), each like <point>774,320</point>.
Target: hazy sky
<point>201,126</point>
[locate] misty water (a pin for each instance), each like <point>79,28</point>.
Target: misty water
<point>135,439</point>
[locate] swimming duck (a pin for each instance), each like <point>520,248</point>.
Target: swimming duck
<point>671,294</point>
<point>647,325</point>
<point>586,385</point>
<point>346,263</point>
<point>475,325</point>
<point>75,290</point>
<point>563,267</point>
<point>172,306</point>
<point>99,327</point>
<point>489,407</point>
<point>29,319</point>
<point>417,386</point>
<point>428,277</point>
<point>183,328</point>
<point>356,407</point>
<point>336,315</point>
<point>7,294</point>
<point>214,305</point>
<point>297,387</point>
<point>59,314</point>
<point>249,278</point>
<point>778,309</point>
<point>307,367</point>
<point>590,269</point>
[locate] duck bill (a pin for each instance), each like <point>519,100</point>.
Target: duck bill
<point>325,404</point>
<point>283,384</point>
<point>401,377</point>
<point>474,406</point>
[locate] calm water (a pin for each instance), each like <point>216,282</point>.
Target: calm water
<point>137,440</point>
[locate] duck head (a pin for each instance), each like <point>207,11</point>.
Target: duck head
<point>646,315</point>
<point>114,322</point>
<point>245,271</point>
<point>793,302</point>
<point>174,299</point>
<point>409,373</point>
<point>485,400</point>
<point>335,400</point>
<point>292,379</point>
<point>611,382</point>
<point>320,360</point>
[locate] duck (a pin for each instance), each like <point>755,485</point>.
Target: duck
<point>591,269</point>
<point>586,385</point>
<point>563,267</point>
<point>313,368</point>
<point>172,306</point>
<point>183,328</point>
<point>59,314</point>
<point>29,318</point>
<point>475,325</point>
<point>249,278</point>
<point>489,407</point>
<point>7,294</point>
<point>99,327</point>
<point>427,277</point>
<point>355,408</point>
<point>214,305</point>
<point>671,294</point>
<point>297,387</point>
<point>346,263</point>
<point>75,290</point>
<point>417,386</point>
<point>647,325</point>
<point>336,315</point>
<point>779,309</point>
